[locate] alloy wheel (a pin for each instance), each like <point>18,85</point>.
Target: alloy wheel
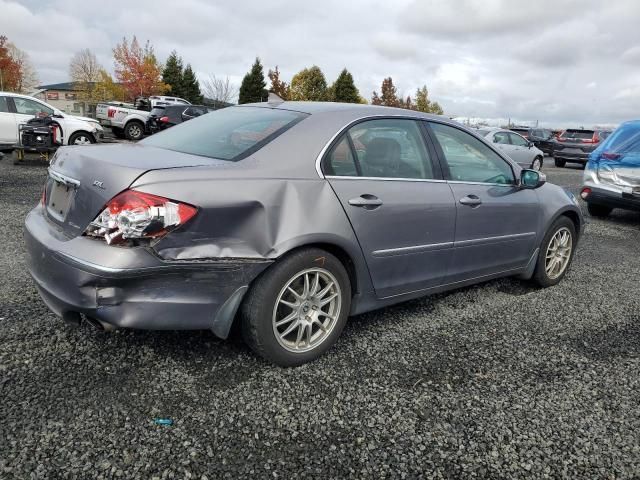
<point>82,140</point>
<point>558,253</point>
<point>537,164</point>
<point>306,310</point>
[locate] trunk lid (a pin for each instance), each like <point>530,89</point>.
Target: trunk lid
<point>83,179</point>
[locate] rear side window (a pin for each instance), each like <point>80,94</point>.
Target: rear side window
<point>470,160</point>
<point>501,137</point>
<point>391,148</point>
<point>228,134</point>
<point>340,161</point>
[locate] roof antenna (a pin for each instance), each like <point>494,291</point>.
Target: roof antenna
<point>274,99</point>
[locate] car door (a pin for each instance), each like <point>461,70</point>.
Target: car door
<point>8,124</point>
<point>402,211</point>
<point>497,221</point>
<point>522,153</point>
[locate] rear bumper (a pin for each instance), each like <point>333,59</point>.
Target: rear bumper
<point>131,287</point>
<point>582,157</point>
<point>612,196</point>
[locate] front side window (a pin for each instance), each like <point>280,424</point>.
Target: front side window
<point>391,148</point>
<point>26,106</point>
<point>470,160</point>
<point>501,137</point>
<point>4,108</point>
<point>228,134</point>
<point>518,140</point>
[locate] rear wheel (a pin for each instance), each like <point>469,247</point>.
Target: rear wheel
<point>596,210</point>
<point>559,162</point>
<point>297,309</point>
<point>556,253</point>
<point>134,130</point>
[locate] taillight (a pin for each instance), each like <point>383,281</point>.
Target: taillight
<point>610,156</point>
<point>164,119</point>
<point>585,193</point>
<point>133,215</point>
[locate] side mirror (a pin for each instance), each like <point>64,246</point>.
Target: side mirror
<point>530,144</point>
<point>532,179</point>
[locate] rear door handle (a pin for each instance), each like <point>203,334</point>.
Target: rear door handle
<point>367,201</point>
<point>471,200</point>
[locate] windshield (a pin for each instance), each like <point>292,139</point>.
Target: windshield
<point>228,134</point>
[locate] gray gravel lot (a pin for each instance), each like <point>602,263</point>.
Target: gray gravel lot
<point>501,380</point>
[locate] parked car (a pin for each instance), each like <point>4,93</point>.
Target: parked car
<point>517,147</point>
<point>162,117</point>
<point>16,109</point>
<point>542,138</point>
<point>522,131</point>
<point>130,123</point>
<point>270,210</point>
<point>612,175</point>
<point>575,145</point>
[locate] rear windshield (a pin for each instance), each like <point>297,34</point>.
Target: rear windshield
<point>157,111</point>
<point>228,134</point>
<point>578,134</point>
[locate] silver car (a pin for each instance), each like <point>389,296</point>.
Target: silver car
<point>288,218</point>
<point>518,148</point>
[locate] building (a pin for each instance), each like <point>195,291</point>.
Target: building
<point>65,97</point>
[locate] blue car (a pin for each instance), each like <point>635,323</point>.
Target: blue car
<point>612,176</point>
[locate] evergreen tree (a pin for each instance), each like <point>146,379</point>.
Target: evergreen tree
<point>309,84</point>
<point>344,90</point>
<point>190,86</point>
<point>375,99</point>
<point>389,95</point>
<point>423,104</point>
<point>253,87</point>
<point>172,74</point>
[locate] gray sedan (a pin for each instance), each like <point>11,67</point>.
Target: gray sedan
<point>288,218</point>
<point>521,150</point>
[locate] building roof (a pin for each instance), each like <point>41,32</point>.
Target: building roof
<point>65,86</point>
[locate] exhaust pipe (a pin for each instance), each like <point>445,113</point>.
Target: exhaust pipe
<point>100,325</point>
<point>73,319</point>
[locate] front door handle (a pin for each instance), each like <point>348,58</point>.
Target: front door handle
<point>471,200</point>
<point>367,201</point>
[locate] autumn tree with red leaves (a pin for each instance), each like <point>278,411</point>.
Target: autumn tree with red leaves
<point>10,71</point>
<point>137,69</point>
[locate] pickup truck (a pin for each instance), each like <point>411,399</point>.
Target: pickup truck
<point>129,122</point>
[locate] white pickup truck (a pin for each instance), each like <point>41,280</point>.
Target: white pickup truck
<point>128,122</point>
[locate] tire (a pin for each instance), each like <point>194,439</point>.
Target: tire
<point>118,132</point>
<point>543,275</point>
<point>596,210</point>
<point>134,130</point>
<point>262,308</point>
<point>537,163</point>
<point>81,138</point>
<point>559,162</point>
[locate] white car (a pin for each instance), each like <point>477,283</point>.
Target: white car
<point>516,146</point>
<point>16,109</point>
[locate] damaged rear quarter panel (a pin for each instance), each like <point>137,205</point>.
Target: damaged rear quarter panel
<point>248,217</point>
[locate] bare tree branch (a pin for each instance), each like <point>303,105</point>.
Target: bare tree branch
<point>220,89</point>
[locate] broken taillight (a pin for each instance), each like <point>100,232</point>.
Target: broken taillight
<point>133,215</point>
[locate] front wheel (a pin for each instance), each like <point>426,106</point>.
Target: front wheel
<point>81,138</point>
<point>556,253</point>
<point>297,309</point>
<point>536,164</point>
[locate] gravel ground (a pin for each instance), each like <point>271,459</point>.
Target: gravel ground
<point>501,380</point>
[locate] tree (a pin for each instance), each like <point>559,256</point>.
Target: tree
<point>172,74</point>
<point>219,89</point>
<point>16,71</point>
<point>278,87</point>
<point>28,79</point>
<point>253,87</point>
<point>423,104</point>
<point>84,71</point>
<point>344,90</point>
<point>309,84</point>
<point>106,89</point>
<point>375,99</point>
<point>389,93</point>
<point>137,69</point>
<point>190,86</point>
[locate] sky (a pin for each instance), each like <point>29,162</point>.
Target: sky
<point>556,62</point>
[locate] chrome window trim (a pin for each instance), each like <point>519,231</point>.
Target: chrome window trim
<point>463,182</point>
<point>389,179</point>
<point>352,122</point>
<point>58,177</point>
